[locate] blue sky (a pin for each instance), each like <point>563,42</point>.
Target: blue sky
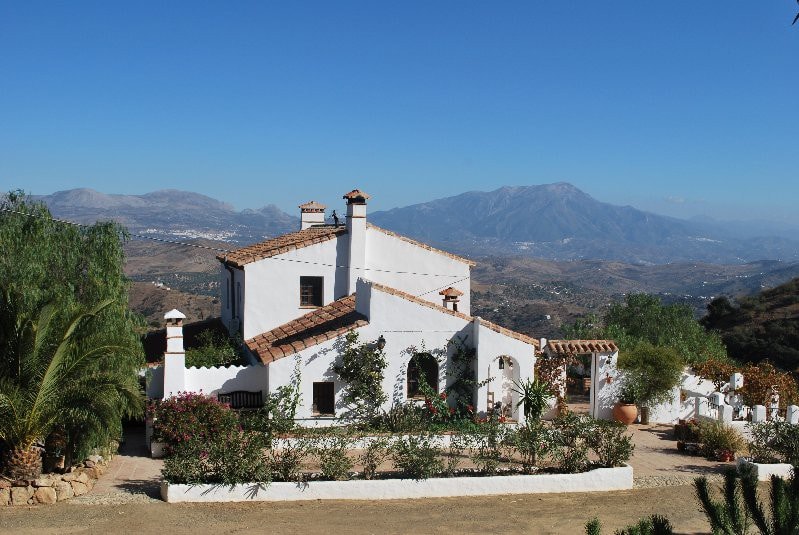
<point>681,107</point>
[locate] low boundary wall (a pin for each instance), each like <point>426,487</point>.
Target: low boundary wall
<point>597,480</point>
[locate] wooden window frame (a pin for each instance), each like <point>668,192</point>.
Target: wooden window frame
<point>315,297</point>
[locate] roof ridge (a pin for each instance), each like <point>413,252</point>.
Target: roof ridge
<point>281,244</point>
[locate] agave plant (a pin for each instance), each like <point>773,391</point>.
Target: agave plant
<point>534,396</point>
<point>58,370</point>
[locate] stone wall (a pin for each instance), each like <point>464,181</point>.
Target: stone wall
<point>52,488</point>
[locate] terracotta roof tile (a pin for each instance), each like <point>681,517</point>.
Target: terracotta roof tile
<point>451,292</point>
<point>282,244</point>
<point>312,206</point>
<point>574,347</point>
<point>357,194</point>
<point>422,245</point>
<point>313,328</point>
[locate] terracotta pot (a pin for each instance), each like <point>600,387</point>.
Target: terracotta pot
<point>725,456</point>
<point>625,413</point>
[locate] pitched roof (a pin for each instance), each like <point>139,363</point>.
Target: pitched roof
<point>282,244</point>
<point>422,245</point>
<point>320,325</point>
<point>574,347</point>
<point>483,323</point>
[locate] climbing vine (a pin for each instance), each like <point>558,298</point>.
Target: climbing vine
<point>362,368</point>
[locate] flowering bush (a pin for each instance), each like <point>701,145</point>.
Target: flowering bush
<point>190,416</point>
<point>229,458</point>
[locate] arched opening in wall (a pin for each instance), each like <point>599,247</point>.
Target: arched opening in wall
<point>502,396</point>
<point>423,367</point>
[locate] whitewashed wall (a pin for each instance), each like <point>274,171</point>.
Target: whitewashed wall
<point>228,379</point>
<point>604,394</point>
<point>273,284</point>
<point>670,412</point>
<point>490,346</point>
<point>390,253</point>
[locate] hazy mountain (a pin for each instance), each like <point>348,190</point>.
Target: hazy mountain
<point>552,221</point>
<point>172,213</point>
<point>558,221</point>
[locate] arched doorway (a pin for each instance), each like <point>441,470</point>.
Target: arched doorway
<point>503,371</point>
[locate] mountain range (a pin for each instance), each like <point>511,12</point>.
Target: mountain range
<point>551,221</point>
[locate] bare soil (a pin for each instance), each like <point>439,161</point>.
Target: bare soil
<point>543,513</point>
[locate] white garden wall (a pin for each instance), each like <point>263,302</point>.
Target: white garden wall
<point>600,479</point>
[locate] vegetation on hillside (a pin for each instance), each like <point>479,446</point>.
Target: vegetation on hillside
<point>759,327</point>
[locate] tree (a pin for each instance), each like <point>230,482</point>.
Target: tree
<point>643,317</point>
<point>64,300</point>
<point>651,371</point>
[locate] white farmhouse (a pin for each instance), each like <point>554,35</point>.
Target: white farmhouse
<point>294,297</point>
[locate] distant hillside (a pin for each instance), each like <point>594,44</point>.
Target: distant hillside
<point>552,221</point>
<point>762,326</point>
<point>558,221</point>
<point>172,213</point>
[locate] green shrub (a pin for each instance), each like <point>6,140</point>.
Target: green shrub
<point>228,459</point>
<point>570,444</point>
<point>190,416</point>
<point>373,455</point>
<point>774,442</point>
<point>487,442</point>
<point>214,349</point>
<point>532,442</point>
<point>400,418</point>
<point>610,443</point>
<point>763,442</point>
<point>454,453</point>
<point>285,463</point>
<point>718,436</point>
<point>332,453</point>
<point>417,457</point>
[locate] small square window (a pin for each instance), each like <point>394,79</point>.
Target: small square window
<point>324,399</point>
<point>311,291</point>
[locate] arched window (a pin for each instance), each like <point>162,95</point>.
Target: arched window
<point>422,367</point>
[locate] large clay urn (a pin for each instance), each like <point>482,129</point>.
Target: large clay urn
<point>625,413</point>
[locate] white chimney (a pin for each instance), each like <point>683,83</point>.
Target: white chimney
<point>175,356</point>
<point>356,230</point>
<point>311,213</point>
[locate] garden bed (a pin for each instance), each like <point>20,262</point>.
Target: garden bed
<point>597,480</point>
<point>764,471</point>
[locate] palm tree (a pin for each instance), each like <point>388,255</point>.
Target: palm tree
<point>60,369</point>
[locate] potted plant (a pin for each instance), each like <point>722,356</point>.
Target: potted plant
<point>652,373</point>
<point>626,408</point>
